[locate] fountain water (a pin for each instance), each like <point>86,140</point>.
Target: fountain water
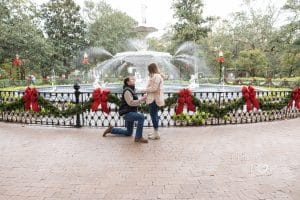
<point>97,82</point>
<point>140,82</point>
<point>135,63</point>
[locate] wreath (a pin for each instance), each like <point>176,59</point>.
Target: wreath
<point>31,101</point>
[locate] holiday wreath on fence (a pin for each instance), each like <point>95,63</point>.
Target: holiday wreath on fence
<point>100,98</point>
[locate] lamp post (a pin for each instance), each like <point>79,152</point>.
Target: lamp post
<point>17,63</point>
<point>85,62</point>
<point>77,94</point>
<point>221,61</point>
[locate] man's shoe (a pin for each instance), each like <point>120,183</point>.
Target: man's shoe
<point>141,140</point>
<point>108,130</point>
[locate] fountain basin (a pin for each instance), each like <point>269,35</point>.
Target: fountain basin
<point>168,88</point>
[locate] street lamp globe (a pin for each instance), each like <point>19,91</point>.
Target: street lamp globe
<point>221,54</point>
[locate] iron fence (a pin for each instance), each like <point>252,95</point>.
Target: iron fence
<point>63,100</point>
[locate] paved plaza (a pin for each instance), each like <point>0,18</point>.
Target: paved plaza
<point>250,161</point>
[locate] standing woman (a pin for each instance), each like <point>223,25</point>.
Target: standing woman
<point>155,97</point>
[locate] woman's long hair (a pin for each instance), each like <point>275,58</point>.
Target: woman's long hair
<point>153,69</point>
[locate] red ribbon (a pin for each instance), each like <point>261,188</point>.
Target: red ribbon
<point>16,62</point>
<point>221,59</point>
<point>100,97</point>
<point>184,96</point>
<point>31,99</point>
<point>295,97</point>
<point>250,97</point>
<point>85,61</point>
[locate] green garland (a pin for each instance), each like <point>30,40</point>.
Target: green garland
<point>276,104</point>
<point>114,99</point>
<point>73,109</point>
<point>49,108</point>
<point>15,105</point>
<point>215,110</point>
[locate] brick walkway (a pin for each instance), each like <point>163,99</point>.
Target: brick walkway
<point>251,161</point>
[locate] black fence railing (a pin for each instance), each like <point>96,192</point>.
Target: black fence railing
<point>88,118</point>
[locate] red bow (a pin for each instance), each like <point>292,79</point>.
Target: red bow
<point>85,61</point>
<point>295,97</point>
<point>16,62</point>
<point>250,97</point>
<point>100,97</point>
<point>31,99</point>
<point>184,96</point>
<point>221,59</point>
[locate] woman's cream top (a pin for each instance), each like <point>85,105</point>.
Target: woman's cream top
<point>155,91</point>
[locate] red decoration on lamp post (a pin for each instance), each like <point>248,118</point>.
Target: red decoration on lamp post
<point>221,60</point>
<point>85,60</point>
<point>17,61</point>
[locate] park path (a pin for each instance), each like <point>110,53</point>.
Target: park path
<point>247,161</point>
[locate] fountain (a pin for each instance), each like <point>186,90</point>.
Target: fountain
<point>138,62</point>
<point>134,63</point>
<point>140,82</point>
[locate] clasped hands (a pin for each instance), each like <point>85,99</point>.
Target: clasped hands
<point>144,97</point>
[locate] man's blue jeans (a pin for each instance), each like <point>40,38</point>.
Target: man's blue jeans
<point>154,114</point>
<point>130,118</point>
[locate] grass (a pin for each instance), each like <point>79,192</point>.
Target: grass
<point>272,88</point>
<point>13,88</point>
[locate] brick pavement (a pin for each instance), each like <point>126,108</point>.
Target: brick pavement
<point>250,161</point>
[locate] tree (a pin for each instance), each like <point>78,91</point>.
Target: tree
<point>66,30</point>
<point>20,34</point>
<point>287,39</point>
<point>253,61</point>
<point>157,44</point>
<point>219,39</point>
<point>190,25</point>
<point>109,28</point>
<point>257,29</point>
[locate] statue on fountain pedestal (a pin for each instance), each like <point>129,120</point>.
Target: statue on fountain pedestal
<point>97,82</point>
<point>193,81</point>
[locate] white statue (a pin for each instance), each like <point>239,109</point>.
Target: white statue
<point>97,82</point>
<point>193,81</point>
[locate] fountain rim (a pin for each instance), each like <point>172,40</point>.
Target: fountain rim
<point>183,86</point>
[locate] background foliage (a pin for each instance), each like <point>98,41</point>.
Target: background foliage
<point>261,42</point>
